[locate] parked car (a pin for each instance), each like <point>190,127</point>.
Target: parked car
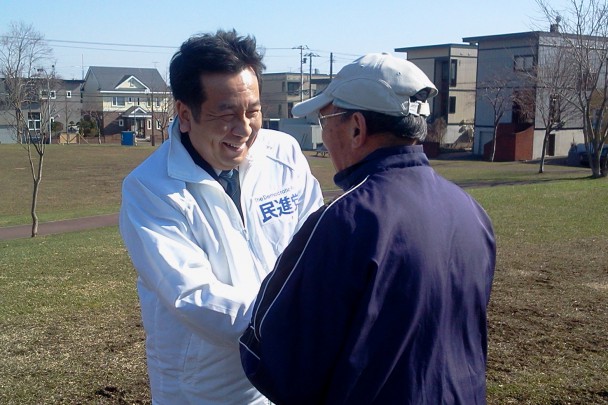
<point>584,156</point>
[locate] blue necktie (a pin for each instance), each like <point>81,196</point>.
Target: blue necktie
<point>229,179</point>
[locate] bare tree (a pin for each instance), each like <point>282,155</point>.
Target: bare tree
<point>584,36</point>
<point>551,81</point>
<point>23,55</point>
<point>496,93</point>
<point>165,110</point>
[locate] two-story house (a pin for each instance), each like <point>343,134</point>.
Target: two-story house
<point>126,99</point>
<point>453,70</point>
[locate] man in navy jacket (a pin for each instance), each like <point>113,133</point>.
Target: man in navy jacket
<point>381,297</point>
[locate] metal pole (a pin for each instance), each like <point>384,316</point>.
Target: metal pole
<point>310,55</point>
<point>301,74</point>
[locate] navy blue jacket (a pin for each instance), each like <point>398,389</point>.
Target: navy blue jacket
<point>381,297</point>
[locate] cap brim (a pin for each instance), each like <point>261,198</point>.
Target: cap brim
<point>311,105</point>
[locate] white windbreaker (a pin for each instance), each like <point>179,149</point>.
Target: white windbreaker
<point>200,268</point>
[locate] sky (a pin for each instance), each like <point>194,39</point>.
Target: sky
<point>146,34</point>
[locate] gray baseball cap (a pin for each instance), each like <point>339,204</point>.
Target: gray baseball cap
<point>376,82</point>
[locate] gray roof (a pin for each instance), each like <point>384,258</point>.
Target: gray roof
<point>437,46</point>
<point>110,77</point>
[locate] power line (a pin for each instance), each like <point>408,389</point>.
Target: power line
<point>106,49</point>
<point>111,44</point>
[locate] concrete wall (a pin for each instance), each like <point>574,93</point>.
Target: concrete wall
<point>308,135</point>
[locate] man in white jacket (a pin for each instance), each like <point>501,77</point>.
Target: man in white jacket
<point>199,254</point>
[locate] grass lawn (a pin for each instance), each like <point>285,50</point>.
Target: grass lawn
<point>70,328</point>
<point>77,181</point>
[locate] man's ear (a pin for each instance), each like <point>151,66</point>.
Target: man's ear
<point>185,116</point>
<point>359,130</point>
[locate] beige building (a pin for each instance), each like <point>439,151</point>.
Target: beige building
<point>281,91</point>
<point>453,70</point>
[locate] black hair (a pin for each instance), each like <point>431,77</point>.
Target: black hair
<point>222,52</point>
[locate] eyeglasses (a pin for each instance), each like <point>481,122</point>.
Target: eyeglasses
<point>322,118</point>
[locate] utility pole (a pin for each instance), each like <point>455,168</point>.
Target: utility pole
<point>48,100</point>
<point>48,105</point>
<point>310,55</point>
<point>48,83</point>
<point>152,138</point>
<point>331,65</point>
<point>301,48</point>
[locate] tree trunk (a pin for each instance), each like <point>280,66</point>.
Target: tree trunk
<point>594,163</point>
<point>541,169</point>
<point>494,143</point>
<point>37,179</point>
<point>33,212</point>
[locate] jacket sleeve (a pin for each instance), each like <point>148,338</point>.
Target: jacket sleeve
<point>305,311</point>
<point>176,270</point>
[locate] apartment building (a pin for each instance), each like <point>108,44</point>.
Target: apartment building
<point>507,64</point>
<point>453,70</point>
<point>281,91</point>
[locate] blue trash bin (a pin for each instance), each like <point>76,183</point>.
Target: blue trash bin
<point>127,138</point>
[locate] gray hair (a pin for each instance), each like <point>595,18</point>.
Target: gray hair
<point>409,126</point>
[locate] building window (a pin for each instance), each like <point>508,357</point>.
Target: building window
<point>44,94</point>
<point>452,105</point>
<point>130,100</point>
<point>148,103</point>
<point>33,121</point>
<point>453,72</point>
<point>293,88</point>
<point>157,100</point>
<point>149,124</point>
<point>121,123</point>
<point>53,94</point>
<point>118,101</point>
<point>158,124</point>
<point>523,63</point>
<point>68,94</point>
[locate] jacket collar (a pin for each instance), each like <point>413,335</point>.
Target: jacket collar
<point>181,166</point>
<point>380,160</point>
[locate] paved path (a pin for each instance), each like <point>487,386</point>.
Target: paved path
<point>68,225</point>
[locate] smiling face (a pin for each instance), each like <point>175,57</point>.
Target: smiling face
<point>228,121</point>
